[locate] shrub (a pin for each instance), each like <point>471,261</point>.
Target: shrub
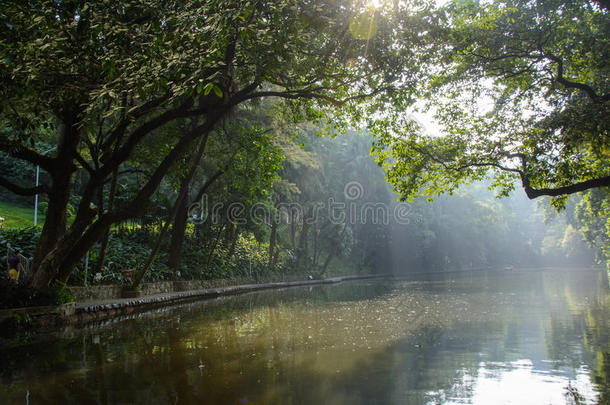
<point>13,295</point>
<point>24,239</point>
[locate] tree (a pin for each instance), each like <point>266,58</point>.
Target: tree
<point>106,76</point>
<point>520,91</point>
<point>592,216</point>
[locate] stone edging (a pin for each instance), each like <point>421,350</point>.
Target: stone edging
<point>77,313</point>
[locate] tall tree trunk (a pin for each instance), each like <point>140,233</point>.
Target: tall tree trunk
<point>180,221</point>
<point>302,249</point>
<point>334,248</point>
<point>59,196</point>
<point>233,244</point>
<point>316,232</point>
<point>272,238</point>
<point>293,230</point>
<point>104,244</point>
<point>178,230</point>
<point>331,254</point>
<point>55,222</point>
<point>207,263</point>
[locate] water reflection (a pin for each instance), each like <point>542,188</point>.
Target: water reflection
<point>527,337</point>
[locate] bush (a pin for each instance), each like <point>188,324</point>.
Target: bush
<point>129,249</point>
<point>24,239</point>
<point>13,295</point>
<point>126,250</point>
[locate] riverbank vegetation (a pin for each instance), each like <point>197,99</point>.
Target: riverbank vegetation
<point>373,232</point>
<point>232,138</point>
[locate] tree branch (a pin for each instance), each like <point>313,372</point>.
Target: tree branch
<point>25,191</point>
<point>575,85</point>
<point>207,184</point>
<point>82,234</point>
<point>20,151</point>
<point>564,190</point>
<point>129,117</point>
<point>311,94</point>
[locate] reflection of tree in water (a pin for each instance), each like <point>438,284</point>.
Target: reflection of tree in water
<point>597,342</point>
<point>589,324</point>
<point>258,348</point>
<point>315,346</point>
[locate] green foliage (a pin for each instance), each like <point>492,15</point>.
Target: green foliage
<point>24,239</point>
<point>520,92</point>
<point>61,293</point>
<point>108,77</point>
<point>249,260</point>
<point>22,319</point>
<point>125,89</point>
<point>126,250</point>
<point>13,295</point>
<point>592,215</point>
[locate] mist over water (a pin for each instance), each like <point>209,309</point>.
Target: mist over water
<point>344,188</point>
<point>529,336</point>
<point>474,229</point>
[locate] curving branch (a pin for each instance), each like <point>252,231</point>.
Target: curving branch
<point>18,150</point>
<point>25,191</point>
<point>576,85</point>
<point>312,94</point>
<point>207,184</point>
<point>530,191</point>
<point>564,190</point>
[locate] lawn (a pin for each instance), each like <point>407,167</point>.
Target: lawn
<point>16,216</point>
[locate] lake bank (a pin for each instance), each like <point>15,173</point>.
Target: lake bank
<point>105,304</point>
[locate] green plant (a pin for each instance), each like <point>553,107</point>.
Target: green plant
<point>25,239</point>
<point>14,295</point>
<point>21,319</point>
<point>61,292</point>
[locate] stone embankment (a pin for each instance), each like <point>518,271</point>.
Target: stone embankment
<point>105,305</point>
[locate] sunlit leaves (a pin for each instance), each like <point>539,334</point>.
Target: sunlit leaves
<point>518,94</point>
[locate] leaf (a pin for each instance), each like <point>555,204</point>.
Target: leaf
<point>208,88</point>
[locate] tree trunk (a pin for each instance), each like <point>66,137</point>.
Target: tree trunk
<point>60,250</point>
<point>104,245</point>
<point>334,248</point>
<point>178,230</point>
<point>272,238</point>
<point>302,249</point>
<point>53,229</point>
<point>331,254</point>
<point>315,255</point>
<point>293,230</point>
<point>54,261</point>
<point>214,246</point>
<point>59,196</point>
<point>234,238</point>
<point>180,221</point>
<point>85,232</point>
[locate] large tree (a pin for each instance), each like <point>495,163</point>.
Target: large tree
<point>520,92</point>
<point>104,76</point>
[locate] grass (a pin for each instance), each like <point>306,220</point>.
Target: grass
<point>16,216</point>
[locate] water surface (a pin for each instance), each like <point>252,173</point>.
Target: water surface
<point>523,337</point>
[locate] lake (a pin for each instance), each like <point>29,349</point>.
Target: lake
<point>532,336</point>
